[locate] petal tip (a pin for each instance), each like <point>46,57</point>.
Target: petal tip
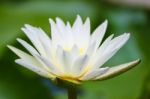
<point>79,17</point>
<point>51,20</point>
<point>27,26</point>
<point>18,39</point>
<point>117,70</point>
<point>17,60</point>
<point>106,21</point>
<point>136,62</point>
<point>9,46</point>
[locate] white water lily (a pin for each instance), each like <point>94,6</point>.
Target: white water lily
<point>72,53</point>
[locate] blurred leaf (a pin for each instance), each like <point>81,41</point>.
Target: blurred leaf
<point>132,3</point>
<point>14,16</point>
<point>14,85</point>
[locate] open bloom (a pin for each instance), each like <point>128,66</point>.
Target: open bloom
<point>72,53</point>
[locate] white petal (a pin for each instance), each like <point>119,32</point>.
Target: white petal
<point>98,34</point>
<point>75,50</point>
<point>42,39</point>
<point>116,70</point>
<point>77,32</point>
<point>43,36</point>
<point>52,67</point>
<point>68,25</point>
<point>87,27</point>
<point>33,36</point>
<point>57,37</point>
<point>60,24</point>
<point>94,73</point>
<point>103,58</point>
<point>69,36</point>
<point>104,45</point>
<point>45,41</point>
<point>79,64</point>
<point>110,50</point>
<point>86,31</point>
<point>27,46</point>
<point>68,60</point>
<point>30,49</point>
<point>91,49</point>
<point>20,53</point>
<point>34,68</point>
<point>64,59</point>
<point>54,30</point>
<point>117,42</point>
<point>97,53</point>
<point>28,58</point>
<point>78,22</point>
<point>59,58</point>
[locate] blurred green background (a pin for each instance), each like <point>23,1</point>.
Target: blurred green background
<point>132,16</point>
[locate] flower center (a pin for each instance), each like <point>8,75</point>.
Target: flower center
<point>71,79</point>
<point>67,49</point>
<point>81,50</point>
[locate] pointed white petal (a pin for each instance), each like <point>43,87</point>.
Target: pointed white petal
<point>87,26</point>
<point>20,53</point>
<point>91,49</point>
<point>116,70</point>
<point>86,31</point>
<point>117,42</point>
<point>57,37</point>
<point>42,43</point>
<point>98,34</point>
<point>103,58</point>
<point>104,44</point>
<point>32,60</point>
<point>77,32</point>
<point>43,36</point>
<point>34,68</point>
<point>60,24</point>
<point>33,36</point>
<point>98,53</point>
<point>78,22</point>
<point>110,50</point>
<point>79,64</point>
<point>75,50</point>
<point>64,59</point>
<point>46,42</point>
<point>26,56</point>
<point>69,36</point>
<point>68,25</point>
<point>52,67</point>
<point>68,60</point>
<point>94,73</point>
<point>59,58</point>
<point>27,46</point>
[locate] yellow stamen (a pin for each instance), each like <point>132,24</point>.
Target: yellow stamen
<point>81,51</point>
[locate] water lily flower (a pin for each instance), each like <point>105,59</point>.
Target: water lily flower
<point>73,53</point>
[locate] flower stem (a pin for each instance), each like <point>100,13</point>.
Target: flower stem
<point>72,93</point>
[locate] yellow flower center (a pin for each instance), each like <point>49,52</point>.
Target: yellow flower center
<point>81,50</point>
